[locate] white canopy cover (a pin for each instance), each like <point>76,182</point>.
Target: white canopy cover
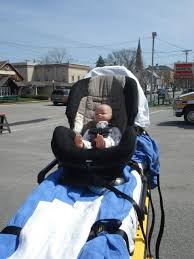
<point>142,118</point>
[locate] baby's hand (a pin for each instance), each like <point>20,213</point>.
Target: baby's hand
<point>100,143</point>
<point>78,141</point>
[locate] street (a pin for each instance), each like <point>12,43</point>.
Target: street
<point>26,150</point>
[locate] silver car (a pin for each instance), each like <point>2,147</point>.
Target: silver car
<point>60,96</point>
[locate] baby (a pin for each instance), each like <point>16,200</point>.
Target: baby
<point>105,136</point>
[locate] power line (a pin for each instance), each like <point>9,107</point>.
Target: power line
<point>34,48</point>
<point>186,51</point>
<point>171,44</point>
<point>82,44</point>
<point>162,52</point>
<point>37,49</point>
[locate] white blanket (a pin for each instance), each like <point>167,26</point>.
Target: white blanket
<point>142,118</point>
<point>57,230</point>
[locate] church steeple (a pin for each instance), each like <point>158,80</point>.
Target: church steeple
<point>138,61</point>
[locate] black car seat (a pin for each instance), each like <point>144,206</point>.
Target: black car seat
<point>97,166</point>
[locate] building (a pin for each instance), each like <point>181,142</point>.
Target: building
<point>9,79</point>
<point>166,75</point>
<point>43,78</point>
<point>163,76</point>
<point>151,78</point>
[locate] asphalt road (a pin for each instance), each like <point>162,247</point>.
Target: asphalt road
<point>25,151</point>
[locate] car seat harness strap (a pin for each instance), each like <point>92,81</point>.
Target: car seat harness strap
<point>93,132</point>
<point>140,213</point>
<point>110,226</point>
<point>13,230</point>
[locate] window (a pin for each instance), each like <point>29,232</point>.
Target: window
<point>72,78</point>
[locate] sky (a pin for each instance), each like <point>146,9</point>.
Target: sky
<point>90,28</point>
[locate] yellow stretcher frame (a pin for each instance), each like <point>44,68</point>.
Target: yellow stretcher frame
<point>139,252</point>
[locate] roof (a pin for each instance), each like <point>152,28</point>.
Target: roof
<point>8,69</point>
<point>154,73</point>
<point>78,66</point>
<point>157,67</point>
<point>70,65</point>
<point>2,62</point>
<point>160,68</point>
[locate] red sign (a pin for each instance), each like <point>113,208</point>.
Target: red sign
<point>183,71</point>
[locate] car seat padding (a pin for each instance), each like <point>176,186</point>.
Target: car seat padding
<point>119,92</point>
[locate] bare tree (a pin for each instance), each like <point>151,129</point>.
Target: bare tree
<point>56,56</point>
<point>123,57</point>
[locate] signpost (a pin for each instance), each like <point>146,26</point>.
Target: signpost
<point>184,71</point>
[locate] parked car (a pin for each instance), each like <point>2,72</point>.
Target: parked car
<point>189,90</point>
<point>60,96</point>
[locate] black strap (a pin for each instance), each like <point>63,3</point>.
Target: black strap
<point>152,224</point>
<point>140,213</point>
<point>110,226</point>
<point>12,230</point>
<point>93,132</point>
<point>122,233</point>
<point>44,171</point>
<point>104,132</point>
<point>162,222</point>
<point>134,165</point>
<point>139,130</point>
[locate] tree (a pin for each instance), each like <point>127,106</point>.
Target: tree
<point>100,62</point>
<point>57,56</point>
<point>123,57</point>
<point>167,78</point>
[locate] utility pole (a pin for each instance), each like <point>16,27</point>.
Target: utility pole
<point>154,34</point>
<point>53,84</point>
<point>186,51</point>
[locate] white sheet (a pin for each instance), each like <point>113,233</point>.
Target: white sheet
<point>142,118</point>
<point>57,230</point>
<point>60,230</point>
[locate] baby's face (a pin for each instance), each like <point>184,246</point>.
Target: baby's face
<point>103,113</point>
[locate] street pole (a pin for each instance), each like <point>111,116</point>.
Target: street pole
<point>154,34</point>
<point>53,84</point>
<point>186,51</point>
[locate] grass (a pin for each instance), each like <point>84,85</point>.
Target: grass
<point>22,100</point>
<point>29,99</point>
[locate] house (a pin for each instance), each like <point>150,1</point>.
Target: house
<point>9,79</point>
<point>41,79</point>
<point>151,78</point>
<point>163,76</point>
<point>165,73</point>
